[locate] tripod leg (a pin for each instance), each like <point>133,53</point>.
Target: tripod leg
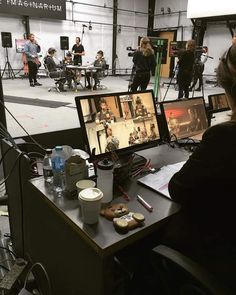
<point>11,72</point>
<point>168,86</point>
<point>4,70</point>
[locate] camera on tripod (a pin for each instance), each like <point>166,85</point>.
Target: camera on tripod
<point>131,53</point>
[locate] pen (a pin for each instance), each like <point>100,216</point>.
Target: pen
<point>144,203</point>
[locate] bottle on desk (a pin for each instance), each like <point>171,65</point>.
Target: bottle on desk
<point>105,179</point>
<point>47,167</point>
<point>58,168</point>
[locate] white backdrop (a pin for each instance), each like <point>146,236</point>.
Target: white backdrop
<point>203,8</point>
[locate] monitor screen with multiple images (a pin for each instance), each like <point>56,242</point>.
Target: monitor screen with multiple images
<point>184,118</point>
<point>218,102</point>
<point>120,122</point>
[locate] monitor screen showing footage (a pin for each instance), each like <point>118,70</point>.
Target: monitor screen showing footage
<point>185,118</point>
<point>218,102</point>
<point>118,121</point>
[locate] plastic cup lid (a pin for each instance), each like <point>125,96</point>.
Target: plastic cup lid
<point>90,194</point>
<point>85,183</point>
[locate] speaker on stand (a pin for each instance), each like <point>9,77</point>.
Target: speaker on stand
<point>64,43</point>
<point>7,43</point>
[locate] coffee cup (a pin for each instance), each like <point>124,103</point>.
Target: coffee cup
<point>84,183</point>
<point>90,204</point>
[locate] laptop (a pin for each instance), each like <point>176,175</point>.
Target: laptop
<point>185,120</point>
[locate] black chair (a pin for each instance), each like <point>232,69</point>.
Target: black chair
<point>57,80</point>
<point>179,275</point>
<point>104,74</point>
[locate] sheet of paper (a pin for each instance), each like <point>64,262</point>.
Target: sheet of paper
<point>159,181</point>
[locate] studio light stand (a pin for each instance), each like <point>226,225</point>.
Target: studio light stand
<point>8,68</point>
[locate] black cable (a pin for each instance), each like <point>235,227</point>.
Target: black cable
<point>45,273</point>
<point>1,247</point>
<point>14,165</point>
<point>36,154</point>
<point>5,153</point>
<point>4,267</point>
<point>21,126</point>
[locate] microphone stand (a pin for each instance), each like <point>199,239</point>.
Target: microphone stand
<point>82,34</point>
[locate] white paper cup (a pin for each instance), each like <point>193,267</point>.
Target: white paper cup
<point>90,203</point>
<point>84,183</point>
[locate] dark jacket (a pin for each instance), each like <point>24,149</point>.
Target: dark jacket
<point>50,63</point>
<point>206,185</point>
<point>185,69</point>
<point>142,63</point>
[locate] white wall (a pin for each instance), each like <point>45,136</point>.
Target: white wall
<point>217,36</point>
<point>48,32</point>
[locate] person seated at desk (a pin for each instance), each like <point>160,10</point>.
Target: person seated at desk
<point>55,71</point>
<point>105,115</point>
<point>112,142</point>
<point>100,63</point>
<point>68,59</point>
<point>204,228</point>
<point>140,109</point>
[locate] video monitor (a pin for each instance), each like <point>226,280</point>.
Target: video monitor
<point>20,45</point>
<point>122,122</point>
<point>218,102</point>
<point>185,118</point>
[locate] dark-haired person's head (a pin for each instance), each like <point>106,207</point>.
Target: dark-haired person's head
<point>51,51</point>
<point>103,104</point>
<point>100,52</point>
<point>226,75</point>
<point>77,40</point>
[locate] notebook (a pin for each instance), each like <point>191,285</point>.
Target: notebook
<point>159,180</point>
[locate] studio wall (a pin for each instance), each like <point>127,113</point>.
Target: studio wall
<point>217,36</point>
<point>48,32</point>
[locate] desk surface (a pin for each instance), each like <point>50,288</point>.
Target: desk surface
<point>89,68</point>
<point>102,236</point>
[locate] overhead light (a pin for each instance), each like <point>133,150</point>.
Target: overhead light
<point>90,26</point>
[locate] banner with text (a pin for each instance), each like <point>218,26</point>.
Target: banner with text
<point>42,8</point>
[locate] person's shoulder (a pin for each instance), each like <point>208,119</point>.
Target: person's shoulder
<point>221,131</point>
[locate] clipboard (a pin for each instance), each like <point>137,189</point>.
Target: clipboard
<point>159,180</point>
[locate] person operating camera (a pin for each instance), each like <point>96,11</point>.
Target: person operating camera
<point>144,63</point>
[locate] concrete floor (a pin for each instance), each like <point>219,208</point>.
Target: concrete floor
<point>37,119</point>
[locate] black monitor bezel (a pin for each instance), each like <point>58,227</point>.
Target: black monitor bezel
<point>211,103</point>
<point>166,133</point>
<point>123,151</point>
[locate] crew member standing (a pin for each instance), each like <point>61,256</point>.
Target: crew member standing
<point>185,69</point>
<point>199,69</point>
<point>144,63</point>
<point>31,51</point>
<point>78,52</point>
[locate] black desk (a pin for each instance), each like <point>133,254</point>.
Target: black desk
<point>78,257</point>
